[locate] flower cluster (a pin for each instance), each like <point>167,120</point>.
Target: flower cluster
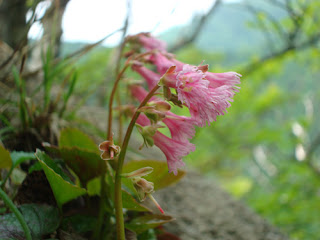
<point>206,95</point>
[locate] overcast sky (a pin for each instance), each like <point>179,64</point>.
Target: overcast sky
<point>90,21</point>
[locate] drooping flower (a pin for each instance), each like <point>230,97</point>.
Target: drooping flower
<point>173,149</point>
<point>150,43</point>
<point>181,127</point>
<point>151,77</point>
<point>205,103</point>
<point>222,79</point>
<point>163,62</point>
<point>138,92</point>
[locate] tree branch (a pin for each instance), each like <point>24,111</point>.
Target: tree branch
<point>289,37</point>
<point>251,67</point>
<point>186,40</point>
<point>309,155</point>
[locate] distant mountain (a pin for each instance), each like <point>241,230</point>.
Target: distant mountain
<point>227,29</point>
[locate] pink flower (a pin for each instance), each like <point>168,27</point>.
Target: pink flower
<point>181,127</point>
<point>163,63</point>
<point>173,149</point>
<point>151,43</point>
<point>221,79</point>
<point>143,120</point>
<point>151,77</point>
<point>205,103</point>
<point>139,92</point>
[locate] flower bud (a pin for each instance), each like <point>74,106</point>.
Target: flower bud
<point>138,173</point>
<point>161,106</point>
<point>143,187</point>
<point>169,78</point>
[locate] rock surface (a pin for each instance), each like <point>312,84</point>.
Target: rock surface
<point>204,211</point>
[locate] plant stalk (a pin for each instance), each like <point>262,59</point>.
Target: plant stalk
<point>17,213</point>
<point>118,190</point>
<point>113,92</point>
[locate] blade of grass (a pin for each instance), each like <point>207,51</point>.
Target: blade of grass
<point>69,92</point>
<point>46,60</point>
<point>22,95</point>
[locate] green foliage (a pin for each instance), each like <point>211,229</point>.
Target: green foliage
<point>129,202</point>
<point>41,219</point>
<point>12,160</point>
<point>250,149</point>
<point>293,196</point>
<point>159,176</point>
<point>80,223</point>
<point>62,188</point>
<point>72,137</point>
<point>93,73</point>
<point>78,153</point>
<point>6,161</point>
<point>143,223</point>
<point>85,164</point>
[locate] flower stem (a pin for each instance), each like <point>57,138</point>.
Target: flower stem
<point>17,213</point>
<point>113,92</point>
<point>118,191</point>
<point>97,232</point>
<point>114,89</point>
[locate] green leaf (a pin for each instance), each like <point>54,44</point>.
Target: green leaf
<point>93,187</point>
<point>5,159</point>
<point>85,164</point>
<point>20,157</point>
<point>72,137</point>
<point>79,223</point>
<point>16,159</point>
<point>130,203</point>
<point>63,190</point>
<point>160,175</point>
<point>148,235</point>
<point>143,223</point>
<point>41,219</point>
<point>54,166</point>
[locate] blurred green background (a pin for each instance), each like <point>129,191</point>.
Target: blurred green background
<point>264,151</point>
